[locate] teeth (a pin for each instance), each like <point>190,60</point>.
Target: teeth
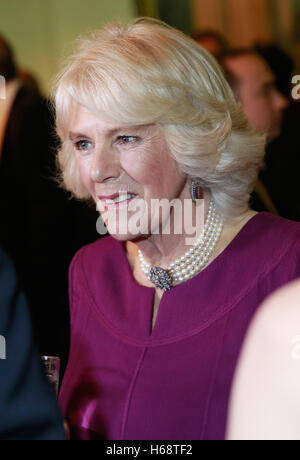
<point>120,198</point>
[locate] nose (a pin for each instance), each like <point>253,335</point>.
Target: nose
<point>281,102</point>
<point>104,166</point>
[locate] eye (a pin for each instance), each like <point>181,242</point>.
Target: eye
<point>126,140</point>
<point>82,145</point>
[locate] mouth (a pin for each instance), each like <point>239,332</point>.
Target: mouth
<point>117,200</point>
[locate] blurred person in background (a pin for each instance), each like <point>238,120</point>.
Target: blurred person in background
<point>28,80</point>
<point>281,65</point>
<point>212,41</point>
<point>254,85</point>
<point>282,161</point>
<point>28,408</point>
<point>265,398</point>
<point>39,228</point>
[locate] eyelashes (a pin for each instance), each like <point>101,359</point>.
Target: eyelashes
<point>84,145</point>
<point>128,140</point>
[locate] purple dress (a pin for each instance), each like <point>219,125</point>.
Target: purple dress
<point>124,382</point>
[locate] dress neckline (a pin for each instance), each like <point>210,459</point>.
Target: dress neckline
<point>169,300</point>
<point>189,307</point>
<point>207,269</point>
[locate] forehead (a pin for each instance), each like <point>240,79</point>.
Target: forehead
<point>83,122</point>
<point>83,119</point>
<point>250,69</point>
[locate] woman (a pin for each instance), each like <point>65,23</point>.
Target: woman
<point>265,401</point>
<point>145,114</point>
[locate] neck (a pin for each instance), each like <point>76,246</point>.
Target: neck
<point>162,249</point>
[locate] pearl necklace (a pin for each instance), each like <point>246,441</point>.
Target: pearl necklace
<point>193,261</point>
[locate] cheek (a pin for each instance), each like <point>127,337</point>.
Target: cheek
<point>83,167</point>
<point>157,174</point>
<point>257,112</point>
<point>142,168</point>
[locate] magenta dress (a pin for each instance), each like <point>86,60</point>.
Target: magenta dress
<point>125,383</point>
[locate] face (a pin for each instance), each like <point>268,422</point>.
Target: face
<point>121,166</point>
<point>261,101</point>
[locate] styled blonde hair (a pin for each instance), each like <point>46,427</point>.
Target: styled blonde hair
<point>149,73</point>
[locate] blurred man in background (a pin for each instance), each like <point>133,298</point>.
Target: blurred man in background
<point>28,409</point>
<point>282,154</point>
<point>254,85</point>
<point>40,228</point>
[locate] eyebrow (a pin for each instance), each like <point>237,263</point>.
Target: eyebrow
<point>110,132</point>
<point>74,135</point>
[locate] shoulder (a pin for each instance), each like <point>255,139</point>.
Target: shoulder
<point>96,270</point>
<point>263,256</point>
<point>13,306</point>
<point>264,400</point>
<point>267,239</point>
<point>267,225</point>
<point>278,318</point>
<point>274,334</point>
<point>4,259</point>
<point>97,256</point>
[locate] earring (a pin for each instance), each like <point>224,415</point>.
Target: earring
<point>196,191</point>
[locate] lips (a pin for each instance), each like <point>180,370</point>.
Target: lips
<point>119,199</point>
<point>110,197</point>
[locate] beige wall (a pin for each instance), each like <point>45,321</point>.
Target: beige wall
<point>208,14</point>
<point>41,31</point>
<point>249,21</point>
<point>244,22</point>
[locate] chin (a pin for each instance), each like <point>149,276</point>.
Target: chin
<point>128,236</point>
<point>122,230</point>
<point>120,236</point>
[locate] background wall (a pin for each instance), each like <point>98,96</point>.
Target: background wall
<point>41,31</point>
<point>247,21</point>
<point>242,22</point>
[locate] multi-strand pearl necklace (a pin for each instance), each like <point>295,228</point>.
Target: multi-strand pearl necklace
<point>193,261</point>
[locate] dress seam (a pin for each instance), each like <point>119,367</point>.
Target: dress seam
<point>130,393</point>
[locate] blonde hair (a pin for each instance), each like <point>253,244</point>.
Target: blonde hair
<point>149,73</point>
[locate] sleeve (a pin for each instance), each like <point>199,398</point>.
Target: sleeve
<point>295,271</point>
<point>28,408</point>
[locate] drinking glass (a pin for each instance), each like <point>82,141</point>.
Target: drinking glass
<point>52,367</point>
